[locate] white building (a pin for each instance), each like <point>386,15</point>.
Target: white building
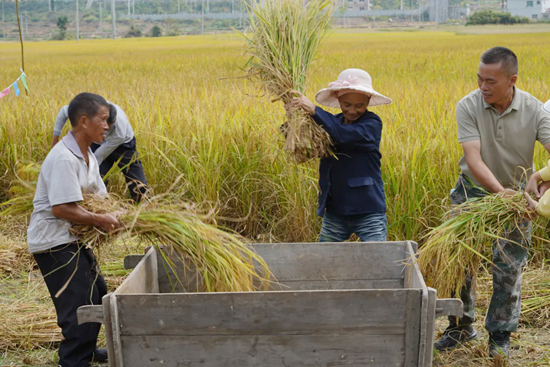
<point>532,9</point>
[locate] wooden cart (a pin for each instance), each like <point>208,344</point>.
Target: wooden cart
<point>336,304</point>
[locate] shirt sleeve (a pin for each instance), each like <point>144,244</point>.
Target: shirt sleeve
<point>545,172</point>
<point>467,126</point>
<point>366,134</point>
<point>114,138</point>
<point>543,127</point>
<point>64,185</point>
<point>60,121</point>
<point>543,207</point>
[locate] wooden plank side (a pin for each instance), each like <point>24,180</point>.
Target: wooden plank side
<point>334,261</point>
<point>430,328</point>
<point>115,327</point>
<point>108,325</point>
<point>307,262</point>
<point>265,351</point>
<point>144,277</point>
<point>314,285</point>
<point>413,275</point>
<point>413,326</point>
<point>267,313</point>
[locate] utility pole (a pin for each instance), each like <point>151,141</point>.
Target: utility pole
<point>100,15</point>
<point>113,18</point>
<point>128,7</point>
<point>77,22</point>
<point>202,17</point>
<point>232,6</point>
<point>3,22</point>
<point>50,5</point>
<point>179,9</point>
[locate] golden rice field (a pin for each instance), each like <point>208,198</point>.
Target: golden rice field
<point>195,117</point>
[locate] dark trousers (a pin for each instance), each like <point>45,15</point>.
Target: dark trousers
<point>86,287</point>
<point>128,160</point>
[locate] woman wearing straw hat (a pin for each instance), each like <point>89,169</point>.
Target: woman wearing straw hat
<point>351,197</point>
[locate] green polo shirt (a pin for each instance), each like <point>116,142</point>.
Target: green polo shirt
<point>507,140</point>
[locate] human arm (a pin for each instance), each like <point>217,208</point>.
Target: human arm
<point>75,213</point>
<point>60,121</point>
<point>472,153</point>
<point>64,192</point>
<point>366,133</point>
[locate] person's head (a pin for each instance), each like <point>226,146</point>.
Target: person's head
<point>352,92</point>
<point>88,113</point>
<point>497,74</point>
<point>112,115</point>
<point>353,104</point>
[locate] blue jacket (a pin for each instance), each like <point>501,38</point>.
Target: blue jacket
<point>351,183</point>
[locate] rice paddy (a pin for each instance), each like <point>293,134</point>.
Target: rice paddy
<point>200,124</point>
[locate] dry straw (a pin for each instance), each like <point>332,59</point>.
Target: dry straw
<point>464,241</point>
<point>285,36</point>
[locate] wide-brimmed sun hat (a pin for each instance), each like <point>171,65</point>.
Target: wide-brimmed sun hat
<point>349,81</point>
<point>546,106</point>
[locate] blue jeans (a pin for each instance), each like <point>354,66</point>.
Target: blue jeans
<point>368,227</point>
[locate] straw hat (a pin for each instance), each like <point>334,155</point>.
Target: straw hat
<point>546,106</point>
<point>350,80</point>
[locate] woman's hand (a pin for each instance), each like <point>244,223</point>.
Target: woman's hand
<point>301,102</point>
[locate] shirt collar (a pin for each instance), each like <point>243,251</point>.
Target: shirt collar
<point>72,145</point>
<point>516,102</point>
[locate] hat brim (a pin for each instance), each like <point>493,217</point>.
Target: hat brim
<point>546,106</point>
<point>327,97</point>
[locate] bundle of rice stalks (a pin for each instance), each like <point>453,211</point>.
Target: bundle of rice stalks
<point>285,35</point>
<point>225,263</point>
<point>460,245</point>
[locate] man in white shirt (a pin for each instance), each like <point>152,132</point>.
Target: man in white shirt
<point>118,147</point>
<point>69,171</point>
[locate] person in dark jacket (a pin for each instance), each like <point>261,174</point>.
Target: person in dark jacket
<point>351,196</point>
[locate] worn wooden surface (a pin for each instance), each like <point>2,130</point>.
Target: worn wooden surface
<point>313,266</point>
<point>264,351</point>
<point>338,304</point>
<point>144,278</point>
<point>108,326</point>
<point>266,313</point>
<point>90,313</point>
<point>430,327</point>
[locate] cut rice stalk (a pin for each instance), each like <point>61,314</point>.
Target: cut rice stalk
<point>465,240</point>
<point>285,35</point>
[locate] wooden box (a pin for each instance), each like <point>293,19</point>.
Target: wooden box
<point>336,304</point>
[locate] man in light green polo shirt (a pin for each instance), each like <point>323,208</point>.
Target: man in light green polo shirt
<point>498,126</point>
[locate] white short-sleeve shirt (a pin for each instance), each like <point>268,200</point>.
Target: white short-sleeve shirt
<point>64,178</point>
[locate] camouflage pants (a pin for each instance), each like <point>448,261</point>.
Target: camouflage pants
<point>509,257</point>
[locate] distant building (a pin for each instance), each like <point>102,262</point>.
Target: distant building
<point>532,9</point>
<point>358,5</point>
